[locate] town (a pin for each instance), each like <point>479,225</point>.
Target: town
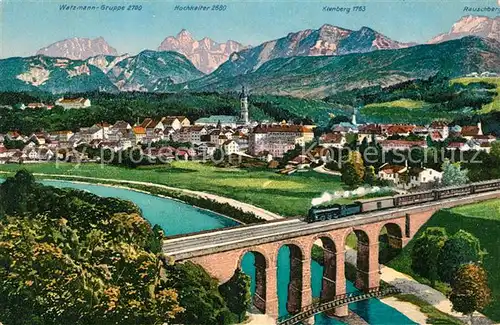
<point>238,138</point>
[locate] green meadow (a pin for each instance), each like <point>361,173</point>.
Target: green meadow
<point>483,221</point>
<point>287,195</point>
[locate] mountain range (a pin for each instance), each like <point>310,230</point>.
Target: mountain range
<point>310,63</point>
<point>326,41</point>
<point>321,76</point>
<point>147,71</point>
<point>471,26</point>
<point>78,48</point>
<point>206,54</point>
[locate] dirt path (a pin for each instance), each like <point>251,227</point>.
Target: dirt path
<point>245,207</point>
<point>323,170</point>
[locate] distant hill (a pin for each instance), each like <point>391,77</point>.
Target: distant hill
<point>148,71</point>
<point>78,48</point>
<point>152,71</point>
<point>55,75</point>
<point>321,76</point>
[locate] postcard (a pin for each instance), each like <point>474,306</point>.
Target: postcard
<point>216,162</point>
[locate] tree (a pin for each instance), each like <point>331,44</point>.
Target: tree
<point>469,290</point>
<point>495,149</point>
<point>237,294</point>
<point>218,155</point>
<point>453,174</point>
<point>425,252</point>
<point>353,170</point>
<point>71,257</point>
<point>16,193</point>
<point>459,249</point>
<point>199,295</point>
<point>370,176</point>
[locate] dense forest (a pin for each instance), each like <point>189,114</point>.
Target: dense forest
<point>437,90</point>
<point>135,106</point>
<point>71,257</point>
<point>439,98</point>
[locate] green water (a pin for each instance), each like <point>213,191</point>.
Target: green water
<point>373,310</point>
<point>173,216</point>
<point>178,218</point>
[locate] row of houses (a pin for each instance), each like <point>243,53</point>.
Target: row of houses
<point>406,178</point>
<point>66,103</point>
<point>470,137</point>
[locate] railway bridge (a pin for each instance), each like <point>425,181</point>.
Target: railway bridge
<point>220,252</point>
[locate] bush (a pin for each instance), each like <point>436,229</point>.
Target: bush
<point>461,248</point>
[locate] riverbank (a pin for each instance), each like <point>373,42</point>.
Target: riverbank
<point>431,296</point>
<point>245,207</point>
<point>284,195</point>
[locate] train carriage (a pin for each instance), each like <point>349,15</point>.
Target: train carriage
<point>376,204</point>
<point>409,199</point>
<point>453,192</point>
<point>486,186</point>
<point>336,211</point>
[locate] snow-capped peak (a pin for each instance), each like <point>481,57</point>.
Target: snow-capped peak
<point>481,26</point>
<point>77,48</point>
<point>205,54</point>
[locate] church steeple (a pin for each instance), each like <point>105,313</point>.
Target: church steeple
<point>243,106</point>
<point>353,118</point>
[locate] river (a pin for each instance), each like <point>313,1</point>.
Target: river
<point>177,218</point>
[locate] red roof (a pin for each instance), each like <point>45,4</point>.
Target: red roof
<point>70,100</point>
<point>398,129</point>
<point>281,128</point>
<point>331,138</point>
<point>436,135</point>
<point>139,130</point>
<point>402,143</point>
<point>470,131</point>
<point>456,144</point>
<point>370,129</point>
<point>146,122</point>
<point>392,169</point>
<point>438,124</point>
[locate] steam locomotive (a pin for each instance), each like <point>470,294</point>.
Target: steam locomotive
<point>336,211</point>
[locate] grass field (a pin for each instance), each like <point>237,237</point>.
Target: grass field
<point>483,221</point>
<point>390,113</point>
<point>288,195</point>
<point>403,103</point>
<point>495,104</point>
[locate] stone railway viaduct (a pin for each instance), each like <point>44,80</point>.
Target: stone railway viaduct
<point>220,252</point>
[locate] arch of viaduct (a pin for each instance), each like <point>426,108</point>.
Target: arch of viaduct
<point>223,265</point>
<point>220,255</point>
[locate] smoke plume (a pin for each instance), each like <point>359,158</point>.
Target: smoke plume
<point>357,193</point>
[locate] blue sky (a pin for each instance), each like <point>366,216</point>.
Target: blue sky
<point>28,25</point>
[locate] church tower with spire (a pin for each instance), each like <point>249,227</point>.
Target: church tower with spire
<point>243,106</point>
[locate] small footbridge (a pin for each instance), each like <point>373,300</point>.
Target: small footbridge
<point>322,306</point>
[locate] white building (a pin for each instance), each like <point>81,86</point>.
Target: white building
<point>419,177</point>
<point>175,122</point>
<point>191,134</point>
<point>92,133</point>
<point>230,146</point>
<point>388,145</point>
<point>277,139</point>
<point>332,140</point>
<point>73,103</point>
<point>407,178</point>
